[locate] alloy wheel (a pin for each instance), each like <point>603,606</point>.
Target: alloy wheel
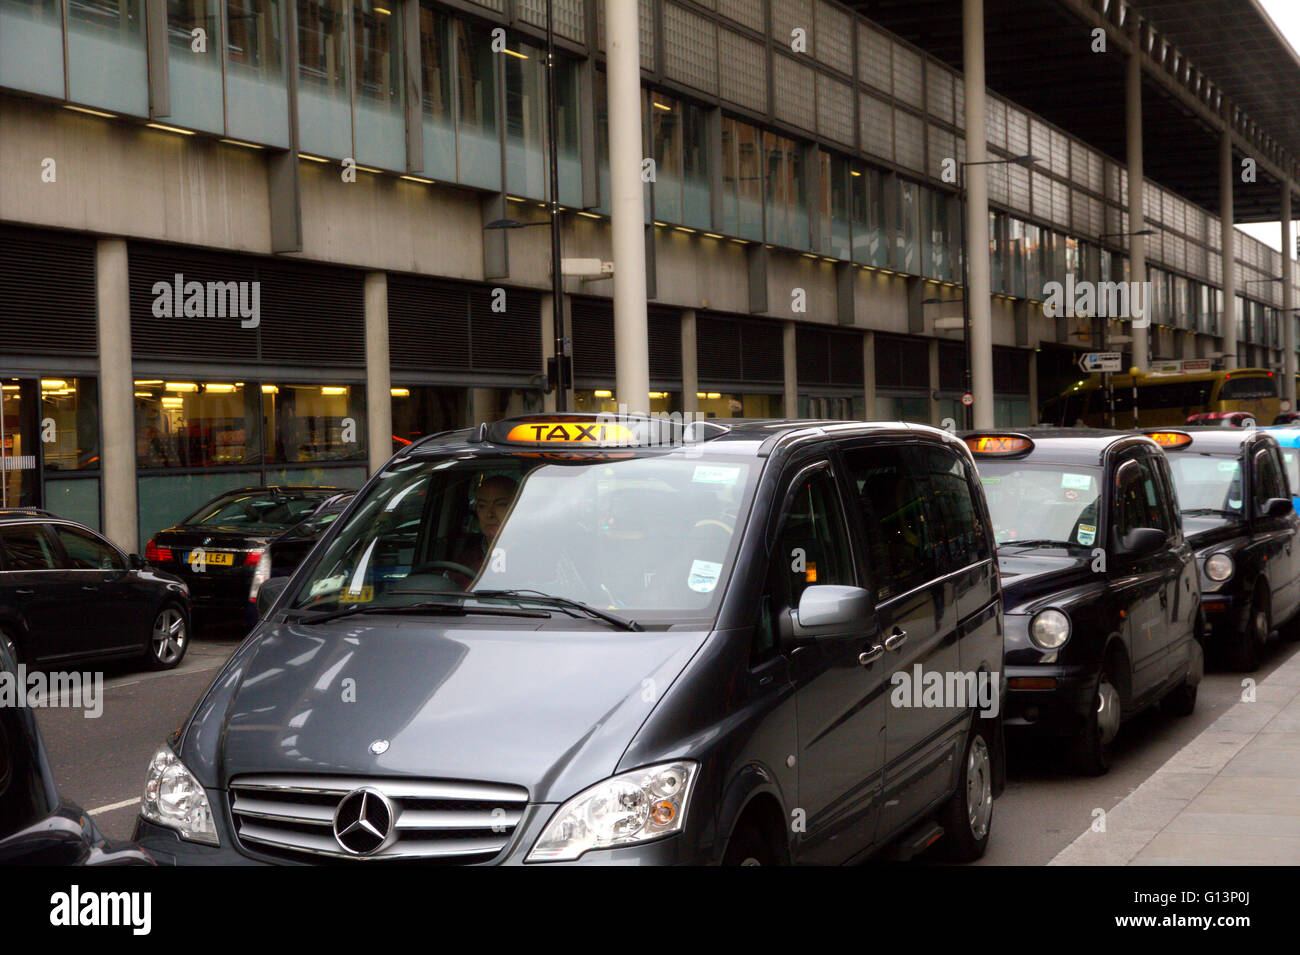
<point>169,636</point>
<point>979,788</point>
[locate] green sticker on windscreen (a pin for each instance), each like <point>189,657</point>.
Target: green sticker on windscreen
<point>1076,482</point>
<point>1228,466</point>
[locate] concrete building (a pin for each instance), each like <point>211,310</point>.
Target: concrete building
<point>243,240</point>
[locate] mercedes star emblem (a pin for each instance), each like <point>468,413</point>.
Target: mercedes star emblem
<point>363,822</point>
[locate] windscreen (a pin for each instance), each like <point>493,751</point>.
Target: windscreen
<point>1208,482</point>
<point>257,510</point>
<point>1042,502</point>
<point>650,536</point>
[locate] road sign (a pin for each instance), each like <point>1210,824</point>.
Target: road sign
<point>1095,361</point>
<point>968,399</point>
<point>1196,364</point>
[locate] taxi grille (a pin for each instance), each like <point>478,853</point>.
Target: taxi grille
<point>450,822</point>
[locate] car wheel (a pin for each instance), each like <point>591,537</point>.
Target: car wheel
<point>1248,649</point>
<point>748,847</point>
<point>169,639</point>
<point>1092,752</point>
<point>967,818</point>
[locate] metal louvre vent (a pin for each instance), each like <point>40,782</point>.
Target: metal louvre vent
<point>592,332</point>
<point>665,331</point>
<point>428,324</point>
<point>431,820</point>
<point>509,340</point>
<point>47,293</point>
<point>739,350</point>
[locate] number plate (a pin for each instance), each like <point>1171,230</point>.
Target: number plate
<point>211,558</point>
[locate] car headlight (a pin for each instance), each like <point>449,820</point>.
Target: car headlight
<point>173,798</point>
<point>631,807</point>
<point>1218,567</point>
<point>1049,629</point>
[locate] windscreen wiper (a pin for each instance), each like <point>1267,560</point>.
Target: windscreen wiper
<point>564,603</point>
<point>1038,543</point>
<point>430,607</point>
<point>1200,511</point>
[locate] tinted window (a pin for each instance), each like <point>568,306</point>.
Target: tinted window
<point>258,510</point>
<point>1239,388</point>
<point>1269,481</point>
<point>892,495</point>
<point>86,552</point>
<point>1139,497</point>
<point>953,513</point>
<point>27,548</point>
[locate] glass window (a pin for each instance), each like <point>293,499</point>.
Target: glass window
<point>425,409</point>
<point>915,408</point>
<point>86,552</point>
<point>188,424</point>
<point>1269,481</point>
<point>811,547</point>
<point>1137,498</point>
<point>106,55</point>
<point>1042,502</point>
<point>257,99</point>
<point>70,424</point>
<point>76,499</point>
<point>1033,249</point>
<point>379,112</point>
<point>1208,483</point>
<point>526,167</point>
<point>696,205</point>
<point>666,140</point>
<point>438,110</point>
<point>478,149</point>
<point>837,230</point>
<point>26,547</point>
<point>868,215</point>
<point>955,515</point>
<point>569,135</point>
<point>31,46</point>
<point>787,194</point>
<point>938,257</point>
<point>714,404</point>
<point>260,510</point>
<point>742,180</point>
<point>195,78</point>
<point>907,249</point>
<point>892,499</point>
<point>311,423</point>
<point>1291,465</point>
<point>324,96</point>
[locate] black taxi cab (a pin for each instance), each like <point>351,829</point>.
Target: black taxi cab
<point>1239,517</point>
<point>620,640</point>
<point>1099,583</point>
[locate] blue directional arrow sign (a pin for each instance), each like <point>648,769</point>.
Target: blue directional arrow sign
<point>1099,361</point>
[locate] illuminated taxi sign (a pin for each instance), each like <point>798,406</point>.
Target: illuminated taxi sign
<point>568,433</point>
<point>1170,440</point>
<point>999,445</point>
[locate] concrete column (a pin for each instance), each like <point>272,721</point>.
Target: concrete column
<point>1136,215</point>
<point>379,379</point>
<point>627,205</point>
<point>1288,301</point>
<point>481,406</point>
<point>1227,241</point>
<point>116,394</point>
<point>977,214</point>
<point>788,340</point>
<point>690,365</point>
<point>869,375</point>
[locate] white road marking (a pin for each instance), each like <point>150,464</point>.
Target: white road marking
<point>115,805</point>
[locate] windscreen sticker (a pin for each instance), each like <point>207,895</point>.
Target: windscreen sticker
<point>1087,534</point>
<point>704,576</point>
<point>990,480</point>
<point>715,474</point>
<point>1076,482</point>
<point>1228,467</point>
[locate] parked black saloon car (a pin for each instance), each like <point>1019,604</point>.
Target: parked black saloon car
<point>37,827</point>
<point>1099,583</point>
<point>219,549</point>
<point>1238,515</point>
<point>68,594</point>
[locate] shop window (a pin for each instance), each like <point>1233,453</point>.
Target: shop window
<point>600,400</point>
<point>419,410</point>
<point>190,424</point>
<point>313,423</point>
<point>714,404</point>
<point>70,424</point>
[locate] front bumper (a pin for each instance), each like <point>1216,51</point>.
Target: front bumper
<point>1224,618</point>
<point>1058,710</point>
<point>168,848</point>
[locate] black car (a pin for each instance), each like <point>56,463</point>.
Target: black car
<point>675,645</point>
<point>67,594</point>
<point>1099,583</point>
<point>283,554</point>
<point>37,826</point>
<point>1238,515</point>
<point>219,548</point>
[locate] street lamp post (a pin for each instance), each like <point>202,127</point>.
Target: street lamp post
<point>1105,339</point>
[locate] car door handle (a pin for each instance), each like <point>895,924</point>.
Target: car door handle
<point>895,639</point>
<point>871,654</point>
<point>90,587</point>
<point>25,592</point>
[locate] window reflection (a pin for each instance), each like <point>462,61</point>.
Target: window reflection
<point>195,77</point>
<point>106,56</point>
<point>377,52</point>
<point>256,97</point>
<point>70,424</point>
<point>477,147</point>
<point>324,99</point>
<point>306,423</point>
<point>190,424</point>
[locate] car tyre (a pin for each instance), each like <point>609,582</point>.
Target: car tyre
<point>967,817</point>
<point>749,847</point>
<point>169,638</point>
<point>1248,650</point>
<point>1092,753</point>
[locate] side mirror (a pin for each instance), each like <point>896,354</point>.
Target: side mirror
<point>268,592</point>
<point>135,561</point>
<point>1142,541</point>
<point>1276,507</point>
<point>829,610</point>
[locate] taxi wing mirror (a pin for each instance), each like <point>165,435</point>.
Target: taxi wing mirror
<point>829,610</point>
<point>1141,541</point>
<point>1276,507</point>
<point>268,592</point>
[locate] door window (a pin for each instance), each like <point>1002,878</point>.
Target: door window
<point>27,548</point>
<point>1269,482</point>
<point>896,522</point>
<point>952,511</point>
<point>86,552</point>
<point>1138,498</point>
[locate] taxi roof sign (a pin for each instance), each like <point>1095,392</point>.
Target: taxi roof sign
<point>999,445</point>
<point>1170,440</point>
<point>589,432</point>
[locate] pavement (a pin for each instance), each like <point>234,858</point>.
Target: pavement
<point>1229,797</point>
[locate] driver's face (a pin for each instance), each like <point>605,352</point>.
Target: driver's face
<point>490,505</point>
